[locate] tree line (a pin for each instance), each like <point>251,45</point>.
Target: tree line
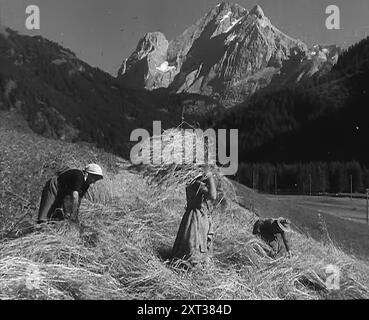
<point>305,178</point>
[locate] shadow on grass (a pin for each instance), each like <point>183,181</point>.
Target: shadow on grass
<point>178,265</point>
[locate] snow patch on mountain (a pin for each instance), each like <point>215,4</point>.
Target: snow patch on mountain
<point>164,67</point>
<point>230,39</point>
<point>233,24</point>
<point>264,22</point>
<point>226,16</point>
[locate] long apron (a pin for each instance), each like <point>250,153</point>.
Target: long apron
<point>194,238</point>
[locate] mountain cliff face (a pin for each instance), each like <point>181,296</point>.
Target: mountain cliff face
<point>149,60</point>
<point>228,54</point>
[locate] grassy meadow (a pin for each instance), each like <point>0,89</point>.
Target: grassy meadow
<point>122,249</point>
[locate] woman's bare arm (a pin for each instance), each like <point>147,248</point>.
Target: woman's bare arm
<point>75,205</point>
<point>286,241</point>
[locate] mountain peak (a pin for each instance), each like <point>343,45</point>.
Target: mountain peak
<point>257,11</point>
<point>228,6</point>
<point>229,53</point>
<point>151,41</point>
<point>154,37</point>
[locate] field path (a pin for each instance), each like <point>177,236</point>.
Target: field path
<point>346,208</point>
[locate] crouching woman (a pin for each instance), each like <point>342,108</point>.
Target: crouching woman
<point>62,194</point>
<point>274,232</point>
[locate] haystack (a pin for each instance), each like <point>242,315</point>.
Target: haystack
<point>176,157</point>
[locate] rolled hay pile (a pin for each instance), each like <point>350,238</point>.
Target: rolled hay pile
<point>173,159</point>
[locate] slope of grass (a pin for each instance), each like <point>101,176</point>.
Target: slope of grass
<point>121,250</point>
<point>352,237</point>
<point>353,209</point>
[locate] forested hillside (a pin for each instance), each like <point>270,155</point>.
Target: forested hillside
<point>324,119</point>
<point>63,97</point>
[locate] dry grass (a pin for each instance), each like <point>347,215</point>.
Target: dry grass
<point>123,254</point>
<point>122,249</point>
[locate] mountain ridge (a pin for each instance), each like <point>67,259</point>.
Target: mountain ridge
<point>63,97</point>
<point>323,119</point>
<point>228,54</point>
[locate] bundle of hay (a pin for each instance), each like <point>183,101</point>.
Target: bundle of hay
<point>23,278</point>
<point>55,263</point>
<point>176,157</point>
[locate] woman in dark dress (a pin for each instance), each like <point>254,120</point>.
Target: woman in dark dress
<point>194,238</point>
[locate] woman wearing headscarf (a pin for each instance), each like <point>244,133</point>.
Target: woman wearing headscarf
<point>195,235</point>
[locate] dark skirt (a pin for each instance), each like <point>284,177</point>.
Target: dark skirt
<point>194,238</point>
<point>51,205</point>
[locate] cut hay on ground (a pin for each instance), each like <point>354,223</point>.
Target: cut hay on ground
<point>54,263</point>
<point>124,249</point>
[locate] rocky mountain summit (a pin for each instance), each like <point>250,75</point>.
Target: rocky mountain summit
<point>228,54</point>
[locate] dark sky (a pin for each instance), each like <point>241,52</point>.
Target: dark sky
<point>104,32</point>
